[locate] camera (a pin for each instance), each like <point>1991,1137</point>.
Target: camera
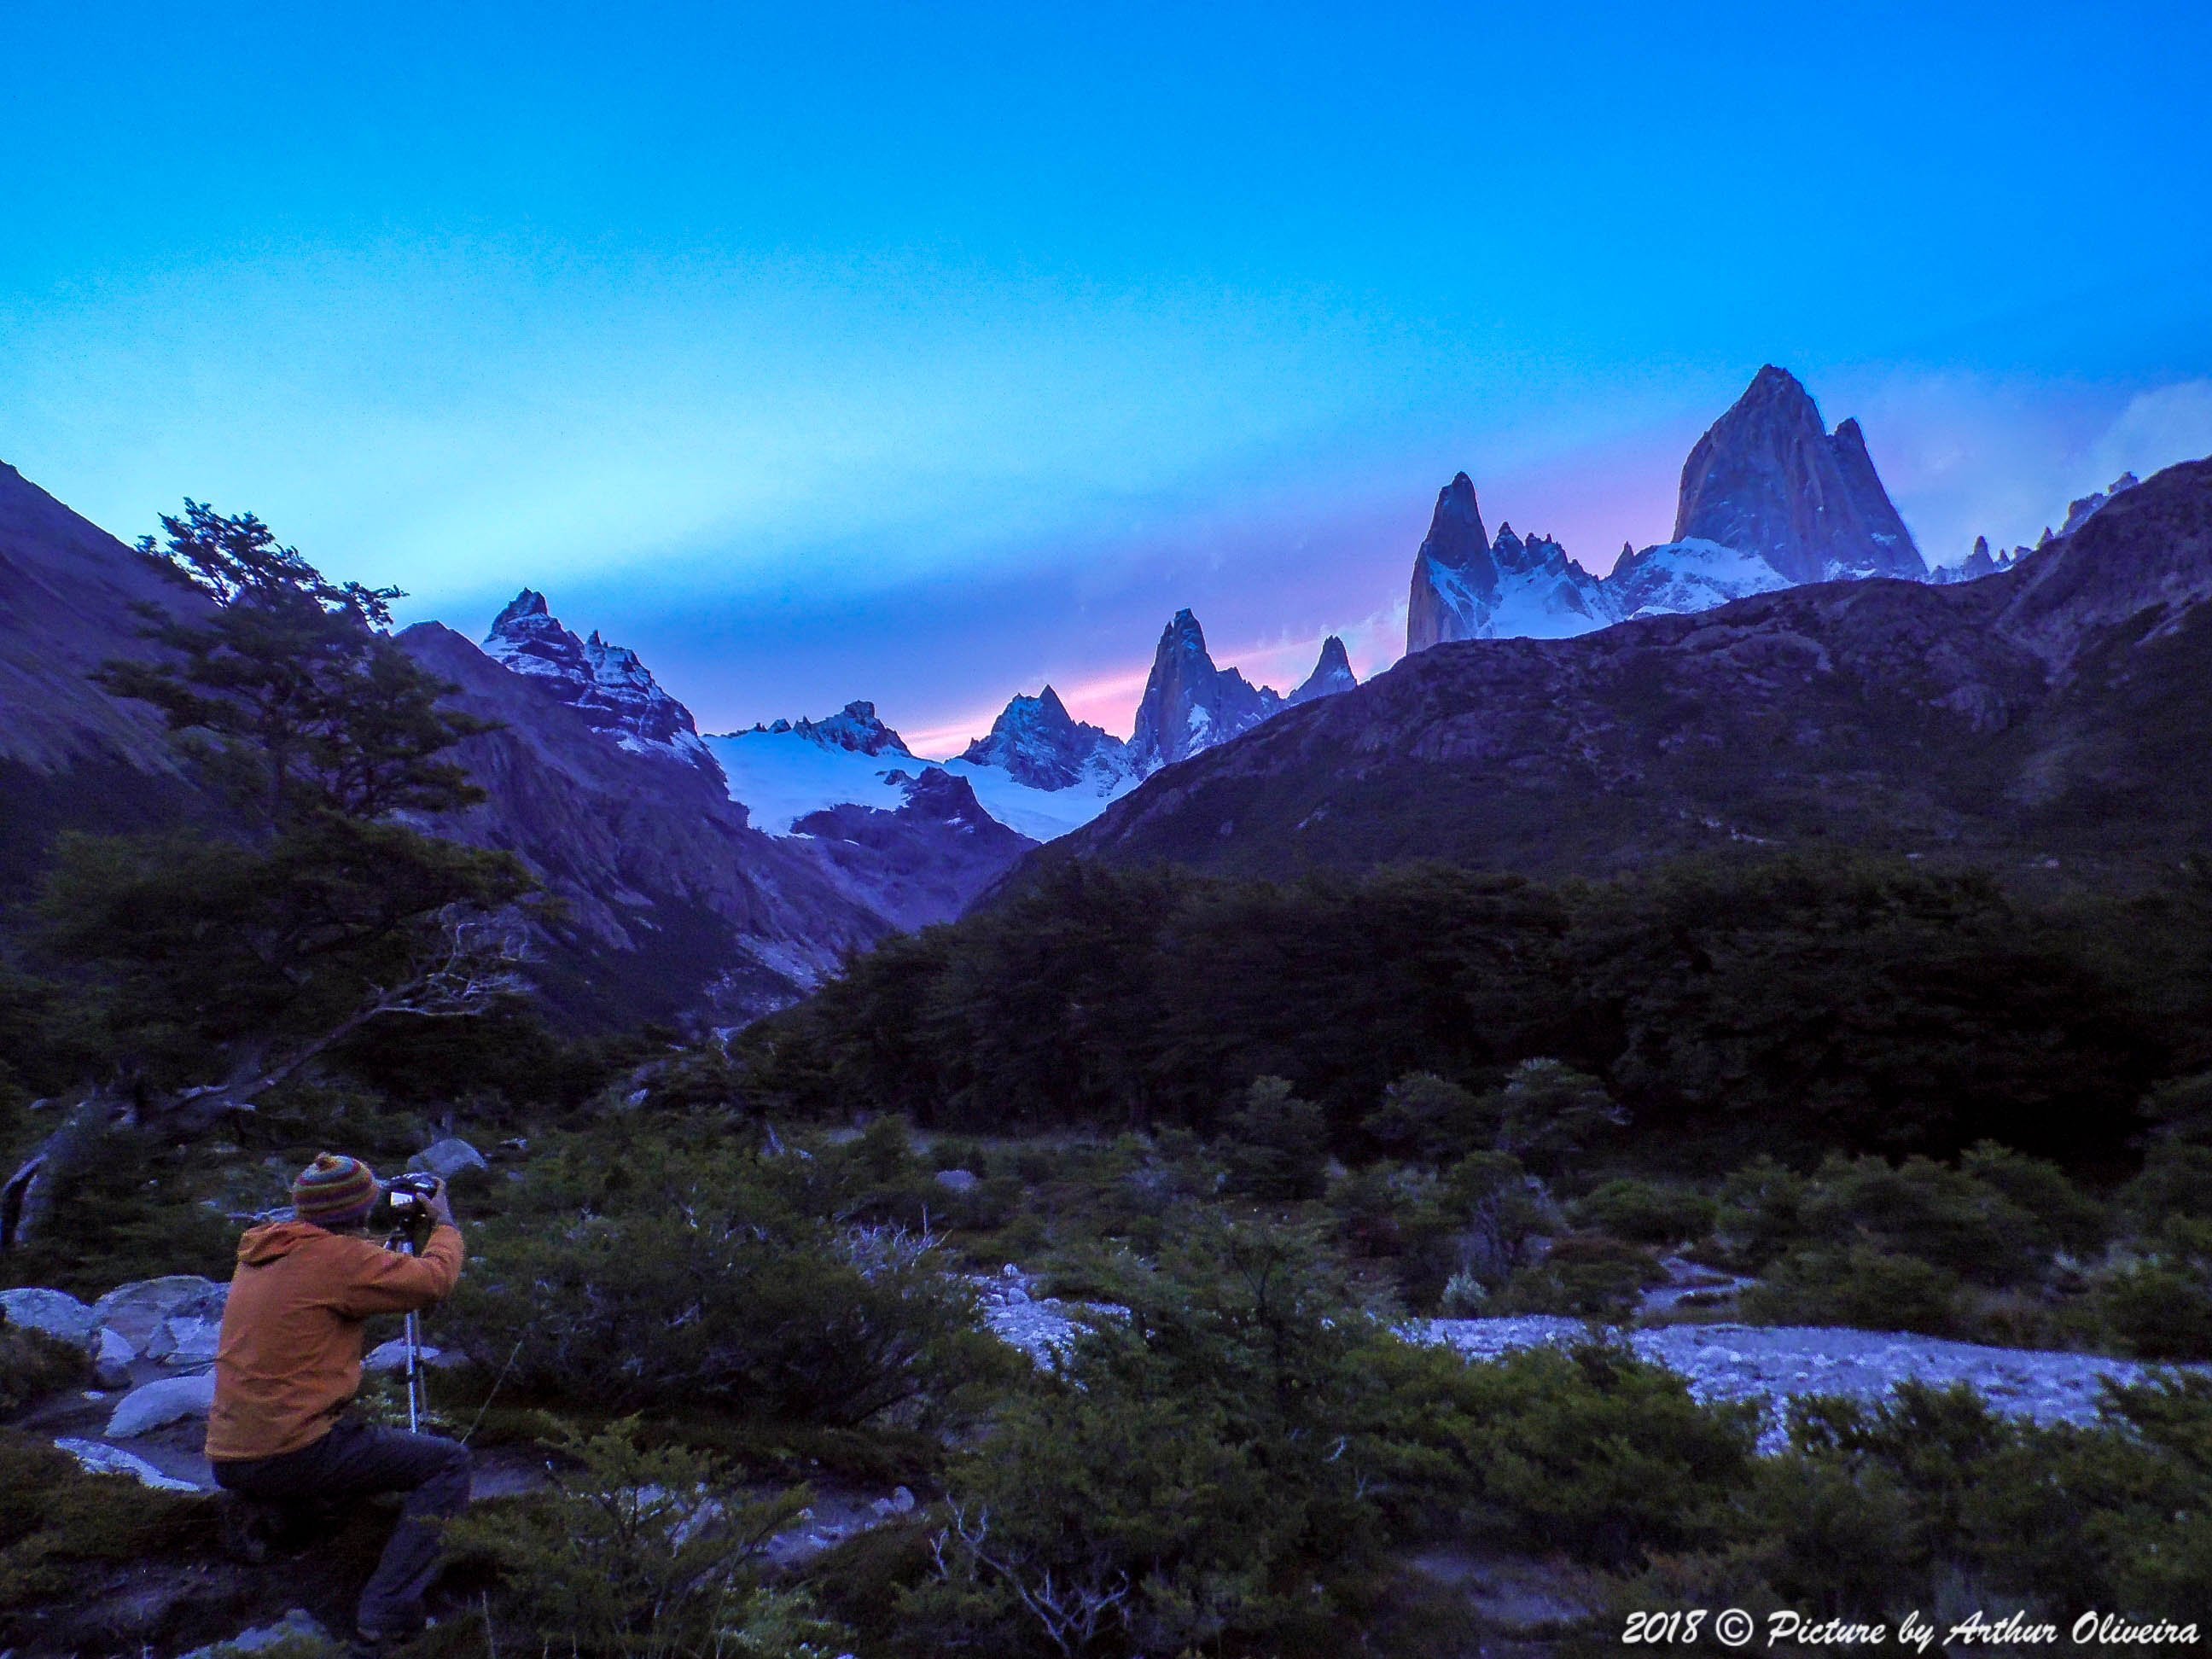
<point>404,1204</point>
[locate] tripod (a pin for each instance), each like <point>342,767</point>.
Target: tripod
<point>410,1242</point>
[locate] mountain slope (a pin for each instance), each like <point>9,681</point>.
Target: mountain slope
<point>70,756</point>
<point>2020,713</point>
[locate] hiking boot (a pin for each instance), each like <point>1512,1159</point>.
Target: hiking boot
<point>247,1528</point>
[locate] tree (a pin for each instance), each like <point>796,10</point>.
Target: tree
<point>220,967</point>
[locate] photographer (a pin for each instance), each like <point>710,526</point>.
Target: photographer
<point>289,1363</point>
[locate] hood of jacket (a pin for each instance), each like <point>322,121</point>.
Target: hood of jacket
<point>273,1239</point>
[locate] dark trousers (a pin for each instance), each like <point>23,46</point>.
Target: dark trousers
<point>354,1460</point>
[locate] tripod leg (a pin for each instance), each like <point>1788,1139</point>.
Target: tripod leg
<point>414,1377</point>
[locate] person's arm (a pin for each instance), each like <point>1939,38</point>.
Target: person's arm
<point>380,1281</point>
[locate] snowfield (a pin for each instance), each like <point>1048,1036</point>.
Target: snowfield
<point>782,776</point>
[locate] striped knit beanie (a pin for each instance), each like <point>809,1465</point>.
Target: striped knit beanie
<point>334,1191</point>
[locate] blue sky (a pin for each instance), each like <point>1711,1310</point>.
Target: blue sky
<point>927,352</point>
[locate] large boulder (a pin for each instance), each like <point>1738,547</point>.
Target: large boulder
<point>53,1313</point>
<point>111,1359</point>
<point>171,1400</point>
<point>136,1311</point>
<point>448,1159</point>
<point>185,1341</point>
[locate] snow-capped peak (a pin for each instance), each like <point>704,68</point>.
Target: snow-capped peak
<point>1037,742</point>
<point>605,684</point>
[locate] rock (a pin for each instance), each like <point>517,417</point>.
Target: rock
<point>1331,675</point>
<point>605,684</point>
<point>391,1357</point>
<point>901,1502</point>
<point>297,1626</point>
<point>171,1400</point>
<point>96,1459</point>
<point>1768,477</point>
<point>1037,742</point>
<point>448,1159</point>
<point>958,1181</point>
<point>111,1359</point>
<point>185,1343</point>
<point>55,1313</point>
<point>1188,703</point>
<point>136,1311</point>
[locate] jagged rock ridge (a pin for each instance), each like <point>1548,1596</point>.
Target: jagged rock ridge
<point>1036,741</point>
<point>856,727</point>
<point>605,684</point>
<point>1189,704</point>
<point>1769,499</point>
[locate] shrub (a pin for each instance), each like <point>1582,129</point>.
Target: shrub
<point>1548,1111</point>
<point>56,1522</point>
<point>2065,1216</point>
<point>33,1366</point>
<point>799,1320</point>
<point>2176,1179</point>
<point>1431,1119</point>
<point>1861,1287</point>
<point>1923,1209</point>
<point>1278,1145</point>
<point>1589,1450</point>
<point>1647,1212</point>
<point>1593,1277</point>
<point>2161,1308</point>
<point>1183,1481</point>
<point>645,1272</point>
<point>643,1551</point>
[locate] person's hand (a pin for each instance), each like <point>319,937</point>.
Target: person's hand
<point>440,1207</point>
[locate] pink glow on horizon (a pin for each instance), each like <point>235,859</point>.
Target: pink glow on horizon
<point>1591,499</point>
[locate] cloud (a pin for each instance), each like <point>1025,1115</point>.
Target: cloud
<point>2157,429</point>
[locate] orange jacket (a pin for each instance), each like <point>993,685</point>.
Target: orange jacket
<point>289,1360</point>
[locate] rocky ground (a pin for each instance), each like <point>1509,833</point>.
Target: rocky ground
<point>1772,1365</point>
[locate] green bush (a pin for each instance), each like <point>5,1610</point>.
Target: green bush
<point>1277,1145</point>
<point>2176,1179</point>
<point>2159,1307</point>
<point>33,1366</point>
<point>1929,1488</point>
<point>652,1273</point>
<point>1647,1212</point>
<point>1591,1451</point>
<point>1188,1480</point>
<point>1860,1286</point>
<point>642,1551</point>
<point>1431,1119</point>
<point>1592,1277</point>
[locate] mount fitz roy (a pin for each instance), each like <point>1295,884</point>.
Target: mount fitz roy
<point>1770,499</point>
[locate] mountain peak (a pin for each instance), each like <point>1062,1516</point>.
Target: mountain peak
<point>1769,479</point>
<point>1036,742</point>
<point>1188,703</point>
<point>1455,577</point>
<point>527,602</point>
<point>605,684</point>
<point>1332,674</point>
